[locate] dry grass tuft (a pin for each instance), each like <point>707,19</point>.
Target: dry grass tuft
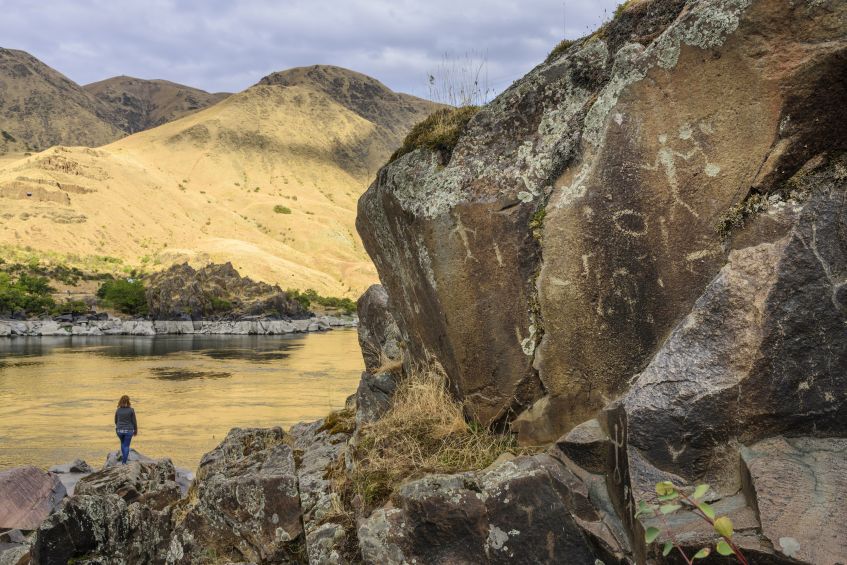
<point>388,365</point>
<point>439,132</point>
<point>424,432</point>
<point>340,422</point>
<point>559,50</point>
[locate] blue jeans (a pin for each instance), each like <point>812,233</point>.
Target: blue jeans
<point>125,439</point>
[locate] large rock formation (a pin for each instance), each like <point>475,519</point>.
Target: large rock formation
<point>574,225</point>
<point>638,249</point>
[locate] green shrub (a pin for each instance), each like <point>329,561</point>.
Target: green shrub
<point>76,307</point>
<point>441,131</point>
<point>280,209</point>
<point>27,293</point>
<point>220,304</point>
<point>310,296</point>
<point>125,295</point>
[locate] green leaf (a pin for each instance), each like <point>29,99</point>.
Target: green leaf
<point>651,534</point>
<point>724,548</point>
<point>700,491</point>
<point>667,497</point>
<point>667,548</point>
<point>665,488</point>
<point>643,508</point>
<point>670,508</point>
<point>723,526</point>
<point>703,553</point>
<point>707,510</point>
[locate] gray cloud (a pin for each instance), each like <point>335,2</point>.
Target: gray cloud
<point>222,45</point>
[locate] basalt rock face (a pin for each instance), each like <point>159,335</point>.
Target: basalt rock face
<point>763,351</point>
<point>550,257</point>
<point>523,511</point>
<point>216,291</point>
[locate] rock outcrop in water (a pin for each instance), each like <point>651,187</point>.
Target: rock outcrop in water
<point>216,291</point>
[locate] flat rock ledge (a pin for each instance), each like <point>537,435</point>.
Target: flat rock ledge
<point>115,326</point>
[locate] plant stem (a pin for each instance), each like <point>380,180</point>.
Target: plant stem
<point>700,513</point>
<point>669,530</point>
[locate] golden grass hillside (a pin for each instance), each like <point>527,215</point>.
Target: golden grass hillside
<point>267,178</point>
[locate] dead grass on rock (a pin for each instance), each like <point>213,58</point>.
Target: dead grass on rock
<point>340,422</point>
<point>424,432</point>
<point>439,132</point>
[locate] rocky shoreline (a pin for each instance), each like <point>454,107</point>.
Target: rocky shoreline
<point>116,326</point>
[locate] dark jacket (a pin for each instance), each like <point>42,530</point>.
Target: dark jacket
<point>125,420</point>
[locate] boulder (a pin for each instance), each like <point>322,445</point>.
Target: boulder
<point>586,445</point>
<point>216,290</point>
<point>103,529</point>
<point>244,505</point>
<point>373,397</point>
<point>28,496</point>
<point>799,486</point>
<point>183,477</point>
<point>525,510</point>
<point>76,466</point>
<point>379,337</point>
<point>150,483</point>
<point>14,554</point>
<point>329,532</point>
<point>573,226</point>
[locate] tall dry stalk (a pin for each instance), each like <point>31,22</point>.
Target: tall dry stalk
<point>460,81</point>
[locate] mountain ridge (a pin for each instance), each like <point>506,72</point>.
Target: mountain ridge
<point>137,104</point>
<point>267,178</point>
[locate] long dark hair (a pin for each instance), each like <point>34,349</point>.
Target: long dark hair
<point>124,402</point>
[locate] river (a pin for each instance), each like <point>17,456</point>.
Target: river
<point>58,395</point>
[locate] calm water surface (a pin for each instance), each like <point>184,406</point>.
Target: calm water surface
<point>58,395</point>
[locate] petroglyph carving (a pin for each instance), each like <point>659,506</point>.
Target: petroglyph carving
<point>462,232</point>
<point>630,222</point>
<point>667,158</point>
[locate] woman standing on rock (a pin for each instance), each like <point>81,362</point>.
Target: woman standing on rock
<point>126,426</point>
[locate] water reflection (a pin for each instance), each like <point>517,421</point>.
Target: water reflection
<point>173,374</point>
<point>57,394</point>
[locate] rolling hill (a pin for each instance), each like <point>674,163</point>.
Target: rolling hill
<point>267,178</point>
<point>136,104</point>
<point>40,107</point>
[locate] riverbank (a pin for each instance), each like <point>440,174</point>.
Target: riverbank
<point>116,326</point>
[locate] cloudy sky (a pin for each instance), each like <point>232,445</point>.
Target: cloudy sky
<point>228,45</point>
